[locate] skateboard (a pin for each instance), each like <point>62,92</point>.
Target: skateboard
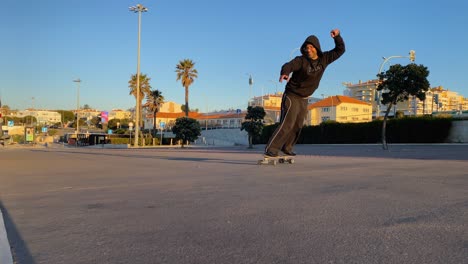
<point>275,160</point>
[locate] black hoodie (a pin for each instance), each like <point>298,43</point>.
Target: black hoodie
<point>307,73</point>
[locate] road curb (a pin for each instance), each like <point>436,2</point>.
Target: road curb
<point>5,252</point>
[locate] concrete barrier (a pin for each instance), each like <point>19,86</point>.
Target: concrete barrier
<point>223,137</point>
<point>458,132</point>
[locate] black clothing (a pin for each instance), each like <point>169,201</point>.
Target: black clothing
<point>293,114</point>
<point>305,79</point>
<point>307,73</point>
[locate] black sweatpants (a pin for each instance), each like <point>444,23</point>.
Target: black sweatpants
<point>293,114</point>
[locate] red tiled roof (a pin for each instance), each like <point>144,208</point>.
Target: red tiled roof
<point>336,100</point>
<point>174,115</point>
<point>272,108</point>
<point>223,115</point>
<point>196,115</point>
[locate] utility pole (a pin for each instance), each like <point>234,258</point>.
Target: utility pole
<point>412,57</point>
<point>139,8</point>
<point>78,81</point>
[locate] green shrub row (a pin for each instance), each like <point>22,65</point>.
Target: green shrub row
<point>118,139</point>
<point>401,130</point>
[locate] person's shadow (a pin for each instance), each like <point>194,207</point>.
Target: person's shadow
<point>19,248</point>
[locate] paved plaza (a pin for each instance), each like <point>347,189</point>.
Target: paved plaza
<point>336,204</point>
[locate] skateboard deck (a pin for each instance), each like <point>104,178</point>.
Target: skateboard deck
<point>275,160</point>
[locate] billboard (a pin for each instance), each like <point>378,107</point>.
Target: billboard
<point>104,117</point>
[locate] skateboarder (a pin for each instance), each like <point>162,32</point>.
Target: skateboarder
<point>307,71</point>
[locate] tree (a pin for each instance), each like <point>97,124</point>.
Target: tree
<point>95,121</point>
<point>4,109</point>
<point>399,114</point>
<point>186,73</point>
<point>254,125</point>
<point>113,123</point>
<point>67,116</point>
<point>145,88</point>
<point>196,110</point>
<point>154,101</point>
<point>398,84</point>
<point>186,129</point>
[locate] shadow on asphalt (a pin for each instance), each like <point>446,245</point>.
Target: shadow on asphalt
<point>20,250</point>
<point>152,156</point>
<point>421,152</point>
<point>395,151</point>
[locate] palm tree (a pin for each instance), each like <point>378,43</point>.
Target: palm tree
<point>154,101</point>
<point>186,73</point>
<point>145,87</point>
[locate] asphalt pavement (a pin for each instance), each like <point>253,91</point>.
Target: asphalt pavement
<point>335,204</point>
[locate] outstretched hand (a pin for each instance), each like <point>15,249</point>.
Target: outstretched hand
<point>335,32</point>
<point>284,77</point>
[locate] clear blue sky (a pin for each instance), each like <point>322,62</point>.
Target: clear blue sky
<point>47,44</point>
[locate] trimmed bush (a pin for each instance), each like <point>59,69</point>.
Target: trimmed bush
<point>425,129</point>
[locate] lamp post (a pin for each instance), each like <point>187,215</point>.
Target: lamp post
<point>250,85</point>
<point>276,86</point>
<point>411,56</point>
<point>78,81</point>
<point>292,53</point>
<point>139,8</point>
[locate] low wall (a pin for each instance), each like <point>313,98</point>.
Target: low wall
<point>223,137</point>
<point>458,132</point>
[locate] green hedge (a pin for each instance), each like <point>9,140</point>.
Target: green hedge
<point>401,130</point>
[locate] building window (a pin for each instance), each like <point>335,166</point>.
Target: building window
<point>325,109</point>
<point>325,118</point>
<point>344,108</point>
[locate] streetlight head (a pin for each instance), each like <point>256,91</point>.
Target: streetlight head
<point>138,8</point>
<point>412,55</point>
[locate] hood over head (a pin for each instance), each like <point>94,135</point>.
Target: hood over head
<point>315,42</point>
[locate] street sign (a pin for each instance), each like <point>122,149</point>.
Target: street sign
<point>109,131</point>
<point>11,123</point>
<point>162,125</point>
<point>44,129</point>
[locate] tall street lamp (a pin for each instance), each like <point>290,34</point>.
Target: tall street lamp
<point>276,85</point>
<point>411,56</point>
<point>292,53</point>
<point>78,81</point>
<point>250,85</point>
<point>139,8</point>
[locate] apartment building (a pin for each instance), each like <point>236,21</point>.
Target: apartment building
<point>227,119</point>
<point>43,117</point>
<point>437,99</point>
<point>87,114</point>
<point>339,108</point>
<point>272,105</point>
<point>119,114</point>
